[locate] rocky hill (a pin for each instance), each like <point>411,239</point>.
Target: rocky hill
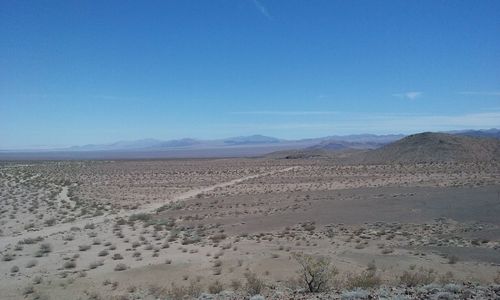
<point>434,147</point>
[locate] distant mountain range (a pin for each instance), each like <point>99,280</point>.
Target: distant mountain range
<point>491,133</point>
<point>362,141</point>
<point>254,145</point>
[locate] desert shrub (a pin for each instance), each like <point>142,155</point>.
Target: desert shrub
<point>103,253</point>
<point>452,259</point>
<point>31,263</point>
<point>315,272</point>
<point>365,280</point>
<point>89,226</point>
<point>371,267</point>
<point>14,269</point>
<point>117,256</point>
<point>30,225</point>
<point>155,290</point>
<point>216,238</point>
<point>95,264</point>
<point>254,285</point>
<point>50,222</point>
<point>7,257</point>
<point>27,290</point>
<point>69,237</point>
<point>171,206</point>
<point>131,289</point>
<point>235,284</point>
<point>217,263</point>
<point>114,285</point>
<point>69,265</point>
<point>37,279</point>
<point>120,222</point>
<point>193,290</point>
<point>309,227</point>
<point>29,241</point>
<point>93,295</point>
<point>38,253</point>
<point>217,270</point>
<point>446,278</point>
<point>120,267</point>
<point>45,248</point>
<point>360,246</point>
<point>139,217</point>
<point>215,287</point>
<point>84,247</point>
<point>387,250</point>
<point>419,277</point>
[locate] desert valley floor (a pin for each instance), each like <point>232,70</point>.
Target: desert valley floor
<point>149,229</point>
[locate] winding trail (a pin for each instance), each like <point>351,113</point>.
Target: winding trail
<point>63,227</point>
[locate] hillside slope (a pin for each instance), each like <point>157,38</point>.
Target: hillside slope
<point>434,147</point>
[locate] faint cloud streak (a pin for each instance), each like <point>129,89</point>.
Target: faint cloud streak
<point>408,95</point>
<point>262,9</point>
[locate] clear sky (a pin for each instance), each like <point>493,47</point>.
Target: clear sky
<point>79,72</point>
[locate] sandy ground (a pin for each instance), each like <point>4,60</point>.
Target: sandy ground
<point>68,227</point>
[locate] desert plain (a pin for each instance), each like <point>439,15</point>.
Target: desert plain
<point>234,228</point>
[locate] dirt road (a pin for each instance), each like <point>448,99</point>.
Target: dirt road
<point>63,227</point>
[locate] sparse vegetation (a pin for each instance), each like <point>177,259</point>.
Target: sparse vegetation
<point>225,230</point>
<point>120,267</point>
<point>365,280</point>
<point>417,277</point>
<point>215,287</point>
<point>254,285</point>
<point>316,273</point>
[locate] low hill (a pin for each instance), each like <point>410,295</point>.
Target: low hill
<point>434,147</point>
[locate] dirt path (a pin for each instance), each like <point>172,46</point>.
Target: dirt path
<point>4,241</point>
<point>63,197</point>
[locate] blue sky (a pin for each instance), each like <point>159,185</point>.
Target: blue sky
<point>78,72</point>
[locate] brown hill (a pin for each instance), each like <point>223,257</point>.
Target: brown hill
<point>433,147</point>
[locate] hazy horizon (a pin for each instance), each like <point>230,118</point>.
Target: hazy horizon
<point>95,73</point>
